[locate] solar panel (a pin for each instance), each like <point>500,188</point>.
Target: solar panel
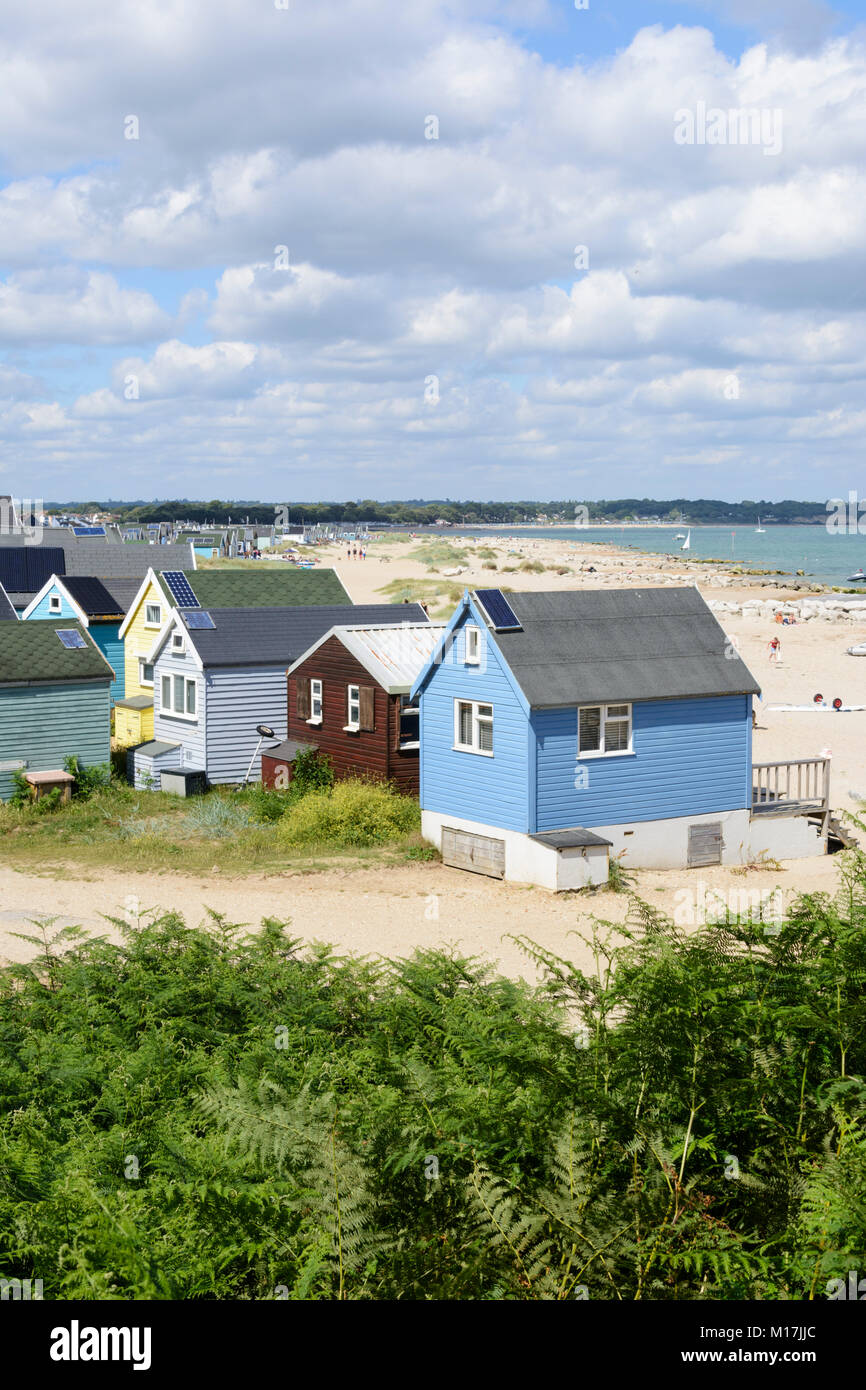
<point>180,589</point>
<point>88,530</point>
<point>70,638</point>
<point>498,609</point>
<point>198,618</point>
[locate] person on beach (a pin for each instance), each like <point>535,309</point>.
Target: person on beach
<point>775,650</point>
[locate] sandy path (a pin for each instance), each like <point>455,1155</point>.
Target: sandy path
<point>373,911</point>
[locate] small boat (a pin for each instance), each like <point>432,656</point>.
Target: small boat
<point>759,529</point>
<point>680,536</point>
<point>686,545</point>
<point>857,578</point>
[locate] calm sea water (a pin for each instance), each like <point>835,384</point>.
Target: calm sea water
<point>827,557</point>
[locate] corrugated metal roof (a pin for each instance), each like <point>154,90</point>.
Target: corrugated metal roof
<point>596,646</point>
<point>265,636</point>
<point>394,656</point>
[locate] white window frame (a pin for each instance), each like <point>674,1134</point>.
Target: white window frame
<point>472,655</point>
<point>604,719</point>
<point>142,662</point>
<point>55,603</point>
<point>177,642</point>
<point>405,706</point>
<point>147,608</point>
<point>477,720</point>
<point>317,697</point>
<point>168,709</point>
<point>352,725</point>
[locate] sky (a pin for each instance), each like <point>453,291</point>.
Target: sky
<point>305,250</point>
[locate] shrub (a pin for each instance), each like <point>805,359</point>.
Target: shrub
<point>21,795</point>
<point>311,772</point>
<point>352,813</point>
<point>87,780</point>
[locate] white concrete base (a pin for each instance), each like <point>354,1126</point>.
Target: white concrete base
<point>527,861</point>
<point>661,844</point>
<point>664,844</point>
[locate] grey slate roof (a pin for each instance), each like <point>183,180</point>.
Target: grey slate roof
<point>266,636</point>
<point>126,561</point>
<point>611,645</point>
<point>7,608</point>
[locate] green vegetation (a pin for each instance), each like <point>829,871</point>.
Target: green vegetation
<point>676,511</point>
<point>206,1114</point>
<point>352,813</point>
<point>439,594</point>
<point>257,829</point>
<point>435,553</point>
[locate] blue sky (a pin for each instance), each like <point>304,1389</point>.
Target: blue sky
<point>428,329</point>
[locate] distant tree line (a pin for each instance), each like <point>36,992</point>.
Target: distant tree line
<point>418,512</point>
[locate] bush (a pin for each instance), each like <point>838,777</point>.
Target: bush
<point>311,772</point>
<point>87,780</point>
<point>352,813</point>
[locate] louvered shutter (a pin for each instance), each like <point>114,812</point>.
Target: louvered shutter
<point>303,696</point>
<point>481,854</point>
<point>705,844</point>
<point>368,708</point>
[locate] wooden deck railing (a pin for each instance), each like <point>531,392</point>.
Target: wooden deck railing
<point>800,786</point>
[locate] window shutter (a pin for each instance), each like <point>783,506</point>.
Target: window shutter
<point>368,706</point>
<point>302,688</point>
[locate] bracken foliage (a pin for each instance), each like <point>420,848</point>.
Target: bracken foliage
<point>213,1114</point>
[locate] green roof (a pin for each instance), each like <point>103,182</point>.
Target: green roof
<point>268,588</point>
<point>33,652</point>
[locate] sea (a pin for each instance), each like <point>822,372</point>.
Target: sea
<point>825,556</point>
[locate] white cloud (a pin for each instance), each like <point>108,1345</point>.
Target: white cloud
<point>305,128</point>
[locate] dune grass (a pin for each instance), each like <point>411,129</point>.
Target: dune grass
<point>120,827</point>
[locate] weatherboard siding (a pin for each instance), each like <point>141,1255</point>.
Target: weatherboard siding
<point>364,752</point>
<point>169,728</point>
<point>691,757</point>
<point>492,790</point>
<point>43,725</point>
<point>106,638</point>
<point>138,641</point>
<point>239,698</point>
<point>43,609</point>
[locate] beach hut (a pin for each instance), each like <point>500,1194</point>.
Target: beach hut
<point>350,693</point>
<point>54,698</point>
<point>220,672</point>
<point>99,605</point>
<point>160,593</point>
<point>561,729</point>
